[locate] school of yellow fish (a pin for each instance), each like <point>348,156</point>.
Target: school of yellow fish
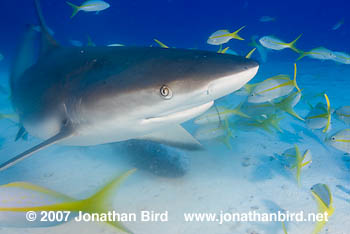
<point>263,107</point>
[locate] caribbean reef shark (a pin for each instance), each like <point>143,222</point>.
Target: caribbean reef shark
<point>95,95</point>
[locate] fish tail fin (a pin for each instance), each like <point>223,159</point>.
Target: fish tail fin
<point>13,117</point>
<point>260,125</point>
<point>292,44</point>
<point>319,227</point>
<point>223,51</point>
<point>266,128</point>
<point>253,41</point>
<point>298,164</point>
<point>302,55</point>
<point>328,114</point>
<point>309,104</point>
<point>323,207</point>
<point>220,49</point>
<point>275,122</point>
<point>284,228</point>
<point>286,105</point>
<point>238,111</point>
<point>295,78</point>
<point>76,9</point>
<point>249,55</point>
<point>264,125</point>
<point>226,139</point>
<point>288,109</point>
<point>101,202</point>
<point>161,44</point>
<point>235,34</point>
<point>292,112</point>
<point>249,87</point>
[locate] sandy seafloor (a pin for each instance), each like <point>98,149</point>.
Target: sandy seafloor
<point>243,179</point>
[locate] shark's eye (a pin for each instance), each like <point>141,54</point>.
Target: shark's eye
<point>166,92</point>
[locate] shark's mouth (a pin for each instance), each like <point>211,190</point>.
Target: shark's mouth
<point>180,116</point>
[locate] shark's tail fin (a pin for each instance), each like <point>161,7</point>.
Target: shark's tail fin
<point>76,9</point>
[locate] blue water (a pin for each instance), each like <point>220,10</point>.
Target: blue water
<point>245,178</point>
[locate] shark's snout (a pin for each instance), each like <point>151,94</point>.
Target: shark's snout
<point>234,81</point>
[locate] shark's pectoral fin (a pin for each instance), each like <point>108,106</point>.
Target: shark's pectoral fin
<point>65,132</point>
<point>175,136</point>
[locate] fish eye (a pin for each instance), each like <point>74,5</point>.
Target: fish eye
<point>333,138</point>
<point>166,92</point>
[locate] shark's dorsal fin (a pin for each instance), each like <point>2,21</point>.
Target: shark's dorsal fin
<point>175,136</point>
<point>65,132</point>
<point>48,43</point>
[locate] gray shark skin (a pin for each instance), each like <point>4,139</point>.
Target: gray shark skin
<point>96,95</point>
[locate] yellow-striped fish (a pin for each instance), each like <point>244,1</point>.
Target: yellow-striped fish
<point>320,116</point>
<point>274,87</point>
<point>274,43</point>
<point>218,114</point>
<point>18,198</point>
<point>287,105</point>
<point>215,131</point>
<point>320,53</point>
<point>223,36</point>
<point>323,197</point>
<point>343,113</point>
<point>268,123</point>
<point>341,140</point>
<point>89,6</point>
<point>295,160</point>
<point>341,57</point>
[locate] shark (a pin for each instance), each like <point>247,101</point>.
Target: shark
<point>84,96</point>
